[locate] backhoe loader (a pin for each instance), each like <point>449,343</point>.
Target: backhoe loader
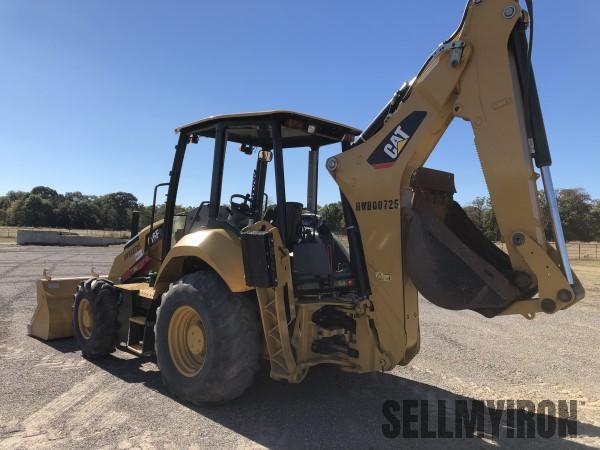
<point>212,291</point>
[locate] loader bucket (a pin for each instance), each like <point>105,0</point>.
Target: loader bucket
<point>52,318</point>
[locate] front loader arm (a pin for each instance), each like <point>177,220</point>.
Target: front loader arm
<point>413,235</point>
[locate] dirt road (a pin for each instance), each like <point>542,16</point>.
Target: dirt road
<point>50,397</point>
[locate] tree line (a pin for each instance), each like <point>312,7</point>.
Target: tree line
<point>45,207</point>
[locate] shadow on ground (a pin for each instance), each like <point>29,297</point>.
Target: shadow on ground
<point>335,409</point>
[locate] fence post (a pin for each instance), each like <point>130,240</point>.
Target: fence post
<point>579,251</point>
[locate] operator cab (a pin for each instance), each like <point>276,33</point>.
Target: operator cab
<point>319,260</point>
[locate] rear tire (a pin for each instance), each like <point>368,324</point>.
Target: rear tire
<point>207,340</point>
<point>95,313</point>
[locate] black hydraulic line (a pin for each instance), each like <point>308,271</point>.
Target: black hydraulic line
<point>279,180</point>
<point>217,173</point>
<point>380,119</point>
<point>258,187</point>
<point>154,206</point>
<point>154,203</point>
<point>534,120</point>
<point>135,224</point>
<point>172,194</point>
<point>357,256</point>
<point>405,90</point>
<point>313,179</point>
<point>536,132</point>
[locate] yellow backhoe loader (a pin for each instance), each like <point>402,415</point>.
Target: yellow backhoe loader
<point>212,291</point>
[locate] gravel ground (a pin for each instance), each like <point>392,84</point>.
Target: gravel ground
<point>50,397</point>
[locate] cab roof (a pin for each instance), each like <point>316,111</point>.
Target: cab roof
<point>252,128</point>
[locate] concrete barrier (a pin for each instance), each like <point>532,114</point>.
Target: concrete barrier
<point>34,237</point>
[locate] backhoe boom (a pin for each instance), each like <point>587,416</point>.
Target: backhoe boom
<point>481,74</point>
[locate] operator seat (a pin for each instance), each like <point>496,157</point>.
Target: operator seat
<point>293,214</point>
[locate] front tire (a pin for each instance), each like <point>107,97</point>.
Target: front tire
<point>95,318</point>
<point>207,340</point>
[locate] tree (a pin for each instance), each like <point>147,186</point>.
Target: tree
<point>115,207</point>
<point>82,214</point>
<point>490,224</point>
<point>122,200</point>
<point>575,207</point>
<point>476,211</point>
<point>4,205</point>
<point>46,193</point>
<point>159,213</point>
<point>13,196</point>
<point>43,207</point>
<point>595,220</point>
<point>333,216</point>
<point>78,196</point>
<point>32,211</point>
<point>482,214</point>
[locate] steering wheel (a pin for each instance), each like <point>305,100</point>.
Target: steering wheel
<point>242,207</point>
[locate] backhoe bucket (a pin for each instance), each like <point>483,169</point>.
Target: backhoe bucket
<point>450,261</point>
<point>52,318</point>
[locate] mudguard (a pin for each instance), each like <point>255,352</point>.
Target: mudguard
<point>217,249</point>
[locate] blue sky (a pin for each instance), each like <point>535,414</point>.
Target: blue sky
<point>90,91</point>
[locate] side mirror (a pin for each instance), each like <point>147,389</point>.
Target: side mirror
<point>265,155</point>
<point>246,148</point>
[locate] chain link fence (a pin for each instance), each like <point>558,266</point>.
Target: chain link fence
<point>578,251</point>
<point>584,250</point>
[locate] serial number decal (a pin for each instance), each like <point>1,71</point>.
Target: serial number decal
<point>376,205</point>
<point>132,251</point>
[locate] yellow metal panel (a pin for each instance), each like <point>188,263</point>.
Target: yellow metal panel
<point>132,254</point>
<point>220,249</point>
<point>142,289</point>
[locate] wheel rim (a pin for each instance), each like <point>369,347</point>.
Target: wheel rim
<point>187,341</point>
<point>85,318</point>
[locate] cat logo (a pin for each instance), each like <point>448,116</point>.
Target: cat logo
<point>386,153</point>
<point>397,141</point>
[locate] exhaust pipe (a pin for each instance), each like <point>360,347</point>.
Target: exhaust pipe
<point>135,223</point>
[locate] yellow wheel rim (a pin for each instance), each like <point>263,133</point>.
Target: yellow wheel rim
<point>187,343</point>
<point>85,318</point>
